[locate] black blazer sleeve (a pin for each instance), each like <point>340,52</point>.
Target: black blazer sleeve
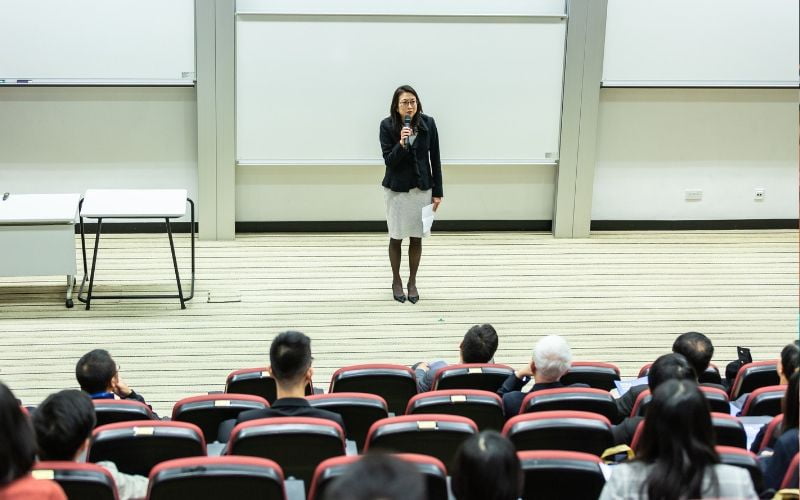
<point>393,151</point>
<point>511,384</point>
<point>436,161</point>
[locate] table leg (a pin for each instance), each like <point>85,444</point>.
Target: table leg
<point>175,263</point>
<point>94,263</point>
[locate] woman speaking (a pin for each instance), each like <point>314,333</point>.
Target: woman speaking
<point>413,179</point>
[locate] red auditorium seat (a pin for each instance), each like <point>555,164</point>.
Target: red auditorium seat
<point>772,427</point>
<point>556,475</point>
<point>482,407</point>
<point>256,382</point>
<point>764,401</point>
<point>572,398</point>
<point>297,444</point>
<point>791,480</point>
<point>717,401</point>
<point>78,480</point>
<point>394,383</point>
<point>478,376</point>
<point>710,376</point>
<point>111,411</point>
<point>560,430</point>
<point>640,405</point>
<point>729,430</point>
<point>592,373</point>
<point>435,435</point>
<point>136,447</point>
<point>432,469</point>
<point>359,411</point>
<point>210,478</point>
<point>738,457</point>
<point>209,410</point>
<point>754,375</point>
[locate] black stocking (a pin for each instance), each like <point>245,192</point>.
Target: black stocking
<point>414,256</point>
<point>395,255</point>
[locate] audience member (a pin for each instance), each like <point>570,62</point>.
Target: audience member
<point>676,458</point>
<point>478,346</point>
<point>98,376</point>
<point>487,468</point>
<point>667,367</point>
<point>775,462</point>
<point>378,477</point>
<point>790,361</point>
<point>550,361</point>
<point>17,454</point>
<point>290,365</point>
<point>63,425</point>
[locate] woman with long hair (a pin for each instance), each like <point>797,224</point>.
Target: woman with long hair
<point>412,180</point>
<point>776,462</point>
<point>487,468</point>
<point>676,459</point>
<point>17,454</point>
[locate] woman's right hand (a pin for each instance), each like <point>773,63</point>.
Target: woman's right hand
<point>405,132</point>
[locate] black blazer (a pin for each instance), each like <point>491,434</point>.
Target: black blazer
<point>418,165</point>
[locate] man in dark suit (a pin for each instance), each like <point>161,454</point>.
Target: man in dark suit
<point>290,365</point>
<point>551,359</point>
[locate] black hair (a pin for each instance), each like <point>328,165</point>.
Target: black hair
<point>378,476</point>
<point>790,403</point>
<point>487,468</point>
<point>668,367</point>
<point>479,344</point>
<point>697,348</point>
<point>95,370</point>
<point>678,441</point>
<point>790,359</point>
<point>62,423</point>
<point>18,449</point>
<point>397,120</point>
<point>290,356</point>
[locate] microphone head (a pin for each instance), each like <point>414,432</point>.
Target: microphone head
<point>407,120</point>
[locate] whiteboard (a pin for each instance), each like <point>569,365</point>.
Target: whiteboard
<point>96,41</point>
<point>312,88</point>
<point>701,43</point>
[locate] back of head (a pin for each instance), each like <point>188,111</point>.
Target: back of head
<point>696,348</point>
<point>791,401</point>
<point>669,367</point>
<point>95,370</point>
<point>378,477</point>
<point>678,439</point>
<point>487,468</point>
<point>290,356</point>
<point>17,443</point>
<point>552,357</point>
<point>62,423</point>
<point>479,344</point>
<point>790,359</point>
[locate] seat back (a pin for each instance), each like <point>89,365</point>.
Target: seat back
<point>111,411</point>
<point>555,475</point>
<point>717,399</point>
<point>791,480</point>
<point>209,410</point>
<point>640,405</point>
<point>358,410</point>
<point>711,374</point>
<point>729,430</point>
<point>297,444</point>
<point>78,480</point>
<point>560,430</point>
<point>753,375</point>
<point>256,382</point>
<point>435,435</point>
<point>764,401</point>
<point>742,458</point>
<point>595,374</point>
<point>478,376</point>
<point>396,384</point>
<point>199,478</point>
<point>572,398</point>
<point>482,407</point>
<point>432,469</point>
<point>136,447</point>
<point>771,432</point>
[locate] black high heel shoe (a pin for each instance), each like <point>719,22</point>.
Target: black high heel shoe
<point>399,298</point>
<point>413,298</point>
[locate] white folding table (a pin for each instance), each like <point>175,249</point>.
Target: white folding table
<point>164,204</point>
<point>37,236</point>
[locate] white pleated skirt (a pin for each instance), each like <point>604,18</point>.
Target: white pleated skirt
<point>404,212</point>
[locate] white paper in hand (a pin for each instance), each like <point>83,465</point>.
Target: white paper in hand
<point>427,219</point>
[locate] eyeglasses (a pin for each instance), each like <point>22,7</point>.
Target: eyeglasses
<point>412,103</point>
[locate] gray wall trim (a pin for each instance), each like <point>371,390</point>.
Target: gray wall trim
<point>226,116</point>
<point>582,76</point>
<point>205,29</point>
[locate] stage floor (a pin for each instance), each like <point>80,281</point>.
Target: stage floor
<point>620,297</point>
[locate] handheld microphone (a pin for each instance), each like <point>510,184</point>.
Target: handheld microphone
<point>406,123</point>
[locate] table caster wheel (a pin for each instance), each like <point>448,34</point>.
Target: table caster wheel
<point>69,304</point>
